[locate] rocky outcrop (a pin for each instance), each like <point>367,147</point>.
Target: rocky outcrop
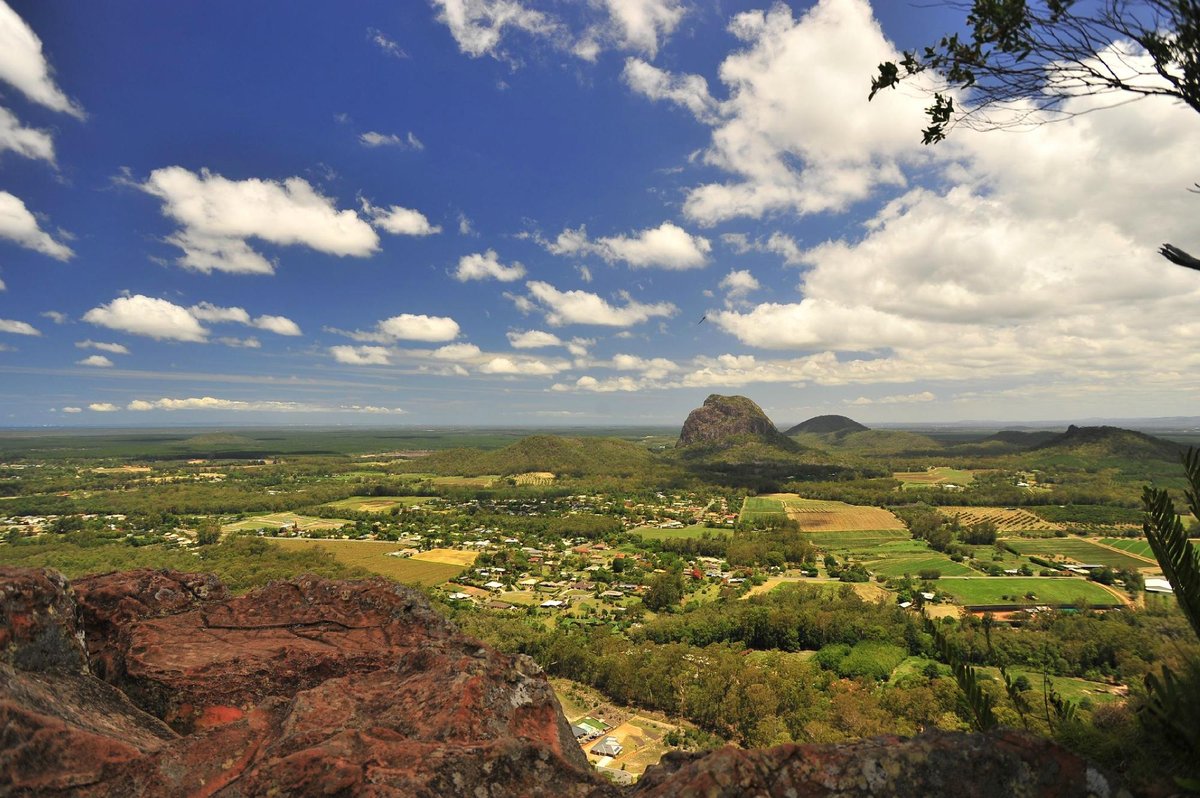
<point>826,425</point>
<point>316,687</point>
<point>304,687</point>
<point>724,420</point>
<point>999,765</point>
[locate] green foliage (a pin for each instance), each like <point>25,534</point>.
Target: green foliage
<point>1173,701</point>
<point>1044,51</point>
<point>979,705</point>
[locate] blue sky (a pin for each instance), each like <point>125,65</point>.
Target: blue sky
<point>516,212</point>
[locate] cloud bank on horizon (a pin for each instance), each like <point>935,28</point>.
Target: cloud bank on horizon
<point>488,211</point>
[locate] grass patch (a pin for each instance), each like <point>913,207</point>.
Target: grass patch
<point>377,504</point>
<point>1079,550</point>
<point>934,476</point>
<point>899,566</point>
<point>855,541</point>
<point>372,555</point>
<point>277,520</point>
<point>1060,591</point>
<point>818,515</point>
<point>1135,546</point>
<point>693,531</point>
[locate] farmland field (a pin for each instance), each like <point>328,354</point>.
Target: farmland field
<point>934,476</point>
<point>447,556</point>
<point>378,504</point>
<point>1079,550</point>
<point>757,506</point>
<point>1047,590</point>
<point>1135,546</point>
<point>693,531</point>
<point>373,556</point>
<point>1006,519</point>
<point>816,515</point>
<point>484,481</point>
<point>541,478</point>
<point>276,520</point>
<point>855,541</point>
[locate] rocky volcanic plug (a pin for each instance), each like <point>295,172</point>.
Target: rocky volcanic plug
<point>726,419</point>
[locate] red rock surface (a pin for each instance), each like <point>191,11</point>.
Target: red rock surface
<point>1004,763</point>
<point>315,687</point>
<point>306,686</point>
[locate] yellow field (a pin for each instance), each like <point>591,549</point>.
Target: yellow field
<point>372,555</point>
<point>815,515</point>
<point>541,478</point>
<point>378,504</point>
<point>447,556</point>
<point>276,520</point>
<point>1006,519</point>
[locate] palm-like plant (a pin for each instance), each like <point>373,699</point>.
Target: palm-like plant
<point>1173,700</point>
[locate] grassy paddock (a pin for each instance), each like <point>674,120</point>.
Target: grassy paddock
<point>816,515</point>
<point>1135,546</point>
<point>372,555</point>
<point>1048,590</point>
<point>378,504</point>
<point>276,520</point>
<point>693,531</point>
<point>1079,550</point>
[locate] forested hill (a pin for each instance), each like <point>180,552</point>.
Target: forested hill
<point>824,425</point>
<point>1102,442</point>
<point>564,457</point>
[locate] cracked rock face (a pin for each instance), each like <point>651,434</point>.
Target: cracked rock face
<point>724,418</point>
<point>306,686</point>
<point>158,683</point>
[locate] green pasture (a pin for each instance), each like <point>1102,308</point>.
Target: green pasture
<point>1079,550</point>
<point>1012,590</point>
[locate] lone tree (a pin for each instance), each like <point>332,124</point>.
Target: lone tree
<point>1023,59</point>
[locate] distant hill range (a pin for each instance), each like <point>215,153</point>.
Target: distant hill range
<point>559,455</point>
<point>1110,442</point>
<point>1024,440</point>
<point>825,425</point>
<point>724,421</point>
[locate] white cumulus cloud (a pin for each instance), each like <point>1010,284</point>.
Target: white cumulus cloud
<point>27,142</point>
<point>17,327</point>
<point>400,221</point>
<point>481,266</point>
<point>148,316</point>
<point>218,215</point>
<point>23,65</point>
<point>17,224</point>
<point>533,339</point>
<point>667,246</point>
<point>98,361</point>
<point>583,307</point>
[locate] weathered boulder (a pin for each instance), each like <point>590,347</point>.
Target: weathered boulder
<point>38,629</point>
<point>306,686</point>
<point>722,420</point>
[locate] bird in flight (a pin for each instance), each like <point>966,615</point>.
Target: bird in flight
<point>702,319</point>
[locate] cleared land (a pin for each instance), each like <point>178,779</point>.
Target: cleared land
<point>1080,551</point>
<point>1006,519</point>
<point>756,506</point>
<point>447,556</point>
<point>276,520</point>
<point>373,556</point>
<point>1135,546</point>
<point>1012,590</point>
<point>815,515</point>
<point>860,542</point>
<point>541,478</point>
<point>378,504</point>
<point>935,475</point>
<point>693,531</point>
<point>911,557</point>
